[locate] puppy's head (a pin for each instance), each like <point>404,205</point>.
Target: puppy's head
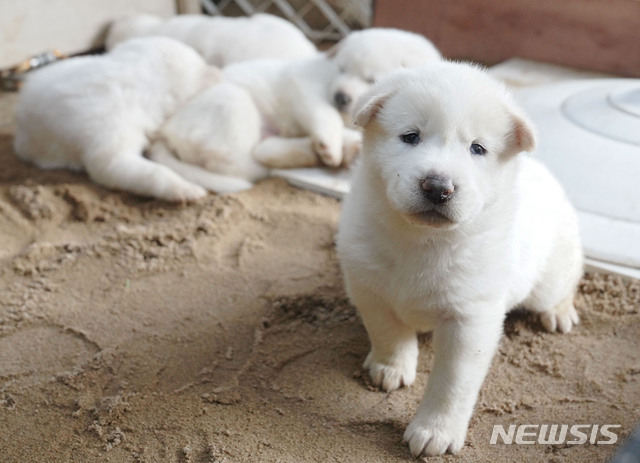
<point>364,57</point>
<point>440,140</point>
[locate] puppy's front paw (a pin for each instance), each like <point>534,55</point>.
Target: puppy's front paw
<point>562,317</point>
<point>435,435</point>
<point>393,375</point>
<point>329,157</point>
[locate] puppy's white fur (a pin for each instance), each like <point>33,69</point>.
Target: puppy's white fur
<point>211,138</point>
<point>220,40</point>
<point>292,99</point>
<point>363,58</point>
<point>98,113</point>
<point>507,236</point>
<point>298,125</point>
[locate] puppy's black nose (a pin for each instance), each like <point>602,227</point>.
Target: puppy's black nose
<point>438,189</point>
<point>341,100</point>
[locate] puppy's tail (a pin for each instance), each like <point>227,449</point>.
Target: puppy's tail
<point>129,27</point>
<point>211,181</point>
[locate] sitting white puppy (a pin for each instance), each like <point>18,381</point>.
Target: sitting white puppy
<point>220,40</point>
<point>447,228</point>
<point>292,121</point>
<point>98,113</point>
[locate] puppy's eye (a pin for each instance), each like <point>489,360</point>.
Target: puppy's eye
<point>370,80</point>
<point>477,149</point>
<point>410,138</point>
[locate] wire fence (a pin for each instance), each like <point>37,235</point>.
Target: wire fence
<point>320,20</point>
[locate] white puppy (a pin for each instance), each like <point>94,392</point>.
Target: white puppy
<point>265,117</point>
<point>211,138</point>
<point>298,124</point>
<point>298,121</point>
<point>363,58</point>
<point>220,40</point>
<point>98,113</point>
<point>447,228</point>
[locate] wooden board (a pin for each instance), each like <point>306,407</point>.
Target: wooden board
<point>600,35</point>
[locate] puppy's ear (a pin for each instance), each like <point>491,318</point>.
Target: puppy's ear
<point>368,105</point>
<point>522,136</point>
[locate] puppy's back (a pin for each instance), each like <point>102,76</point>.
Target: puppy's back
<point>220,40</point>
<point>77,104</point>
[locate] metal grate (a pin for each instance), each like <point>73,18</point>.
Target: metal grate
<point>320,20</point>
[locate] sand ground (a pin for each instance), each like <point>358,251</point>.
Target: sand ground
<point>132,330</point>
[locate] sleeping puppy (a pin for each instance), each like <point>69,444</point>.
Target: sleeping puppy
<point>220,40</point>
<point>363,58</point>
<point>210,140</point>
<point>298,124</point>
<point>98,113</point>
<point>448,227</point>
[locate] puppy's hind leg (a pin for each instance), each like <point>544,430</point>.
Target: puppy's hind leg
<point>553,296</point>
<point>285,153</point>
<point>289,153</point>
<point>325,126</point>
<point>553,300</point>
<point>220,184</point>
<point>127,170</point>
<point>562,316</point>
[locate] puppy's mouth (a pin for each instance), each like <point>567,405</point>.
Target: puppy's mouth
<point>430,218</point>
